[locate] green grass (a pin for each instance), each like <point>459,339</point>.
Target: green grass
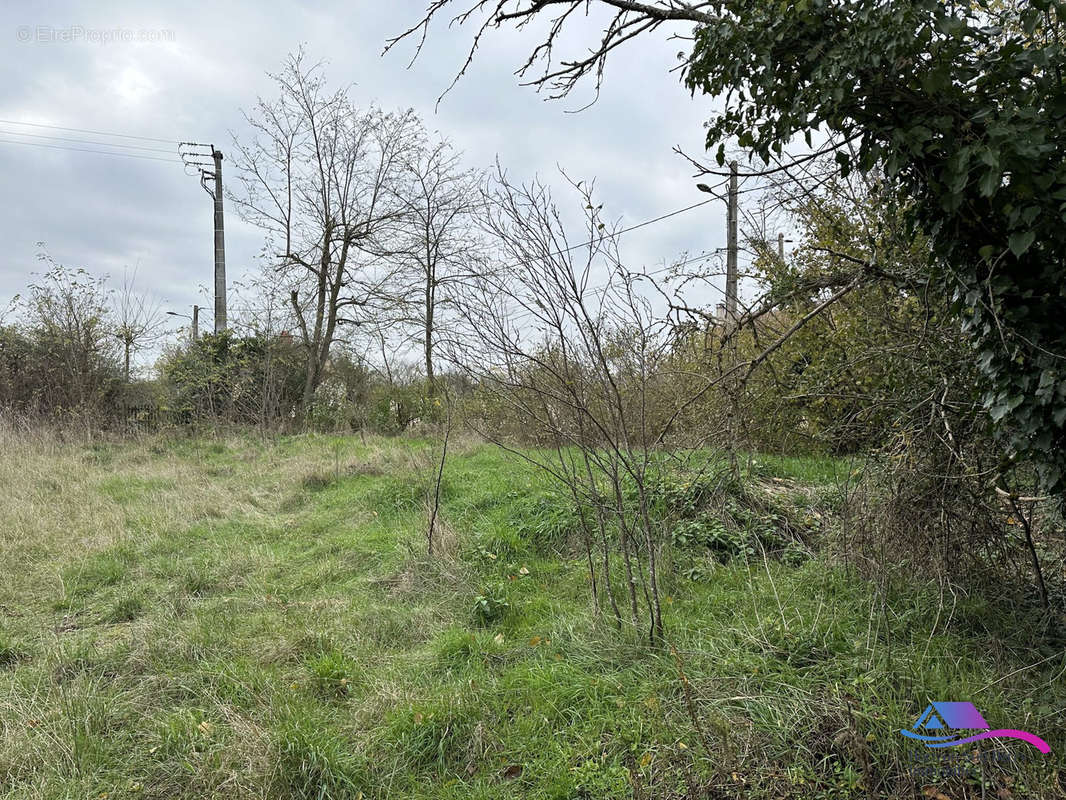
<point>810,470</point>
<point>257,618</point>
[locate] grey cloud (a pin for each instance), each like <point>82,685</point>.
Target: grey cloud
<point>105,213</point>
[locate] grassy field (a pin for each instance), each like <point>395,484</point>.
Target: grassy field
<point>247,618</point>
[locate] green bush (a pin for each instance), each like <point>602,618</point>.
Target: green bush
<point>222,376</point>
<point>714,535</point>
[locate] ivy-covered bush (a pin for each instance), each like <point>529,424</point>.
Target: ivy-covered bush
<point>223,376</point>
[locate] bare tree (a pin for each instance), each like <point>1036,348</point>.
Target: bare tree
<point>569,348</point>
<point>626,20</point>
<point>438,247</point>
<point>317,178</point>
<point>138,320</point>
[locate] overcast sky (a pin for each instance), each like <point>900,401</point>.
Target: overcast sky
<point>210,60</point>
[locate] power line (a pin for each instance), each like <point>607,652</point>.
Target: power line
<point>620,231</point>
<point>83,130</point>
<point>86,150</point>
<point>528,313</point>
<point>614,234</point>
<point>608,236</point>
<point>647,222</point>
<point>86,141</point>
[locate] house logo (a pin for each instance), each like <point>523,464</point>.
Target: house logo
<point>935,723</point>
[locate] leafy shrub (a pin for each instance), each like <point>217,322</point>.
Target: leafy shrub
<point>62,356</point>
<point>222,376</point>
<point>491,605</point>
<point>688,495</point>
<point>700,572</point>
<point>715,536</point>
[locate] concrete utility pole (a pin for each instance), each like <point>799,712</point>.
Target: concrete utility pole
<point>220,248</point>
<point>731,247</point>
<point>781,247</point>
<point>195,158</point>
<point>728,311</point>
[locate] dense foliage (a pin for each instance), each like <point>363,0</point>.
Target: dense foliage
<point>61,354</point>
<point>962,107</point>
<point>883,360</point>
<point>251,379</point>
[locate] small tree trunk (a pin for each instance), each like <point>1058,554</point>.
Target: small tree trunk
<point>435,508</point>
<point>431,386</point>
<point>309,388</point>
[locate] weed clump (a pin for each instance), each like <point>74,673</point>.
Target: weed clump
<point>492,605</point>
<point>333,674</point>
<point>126,609</point>
<point>311,761</point>
<point>11,653</point>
